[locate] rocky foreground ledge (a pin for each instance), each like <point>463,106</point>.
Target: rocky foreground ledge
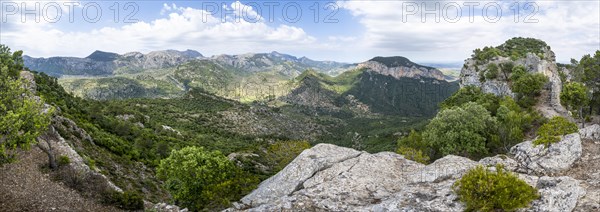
<point>331,178</point>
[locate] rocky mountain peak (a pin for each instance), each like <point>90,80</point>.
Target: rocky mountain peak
<point>103,56</point>
<point>192,53</point>
<point>399,67</point>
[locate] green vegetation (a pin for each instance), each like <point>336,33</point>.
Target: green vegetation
<point>513,123</point>
<point>474,132</point>
<point>587,72</point>
<point>482,189</point>
<point>461,131</point>
<point>397,61</point>
<point>63,160</point>
<point>472,94</point>
<point>22,118</point>
<point>507,69</point>
<point>557,126</point>
<point>515,48</point>
<point>491,71</point>
<point>126,200</point>
<point>486,54</point>
<point>413,147</point>
<point>280,154</point>
<point>574,95</point>
<point>413,154</point>
<point>200,179</point>
<point>405,96</point>
<point>527,86</point>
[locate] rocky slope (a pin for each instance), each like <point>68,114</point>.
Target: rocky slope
<point>332,178</point>
<point>399,67</point>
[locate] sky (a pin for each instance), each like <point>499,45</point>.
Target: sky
<point>345,31</point>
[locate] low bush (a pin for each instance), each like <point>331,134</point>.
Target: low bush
<point>557,126</point>
<point>413,154</point>
<point>127,200</point>
<point>492,71</point>
<point>93,185</point>
<point>63,160</point>
<point>482,189</point>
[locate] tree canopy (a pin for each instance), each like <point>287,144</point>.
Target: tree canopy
<point>22,118</point>
<point>460,131</point>
<point>200,179</point>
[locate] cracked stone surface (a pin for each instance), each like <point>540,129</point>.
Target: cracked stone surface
<point>541,160</point>
<point>292,177</point>
<point>331,178</point>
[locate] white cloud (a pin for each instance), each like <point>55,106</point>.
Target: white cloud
<point>182,28</point>
<point>570,28</point>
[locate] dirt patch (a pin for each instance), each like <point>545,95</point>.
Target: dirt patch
<point>587,170</point>
<point>24,187</point>
<point>588,167</point>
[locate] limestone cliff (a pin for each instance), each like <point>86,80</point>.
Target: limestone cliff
<point>399,67</point>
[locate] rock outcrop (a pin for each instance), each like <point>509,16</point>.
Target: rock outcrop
<point>332,178</point>
<point>410,70</point>
<point>543,63</point>
<point>591,132</point>
<point>541,160</point>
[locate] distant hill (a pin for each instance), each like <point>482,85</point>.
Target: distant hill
<point>103,56</point>
<point>371,92</point>
<point>400,67</point>
<point>101,63</point>
<point>397,61</point>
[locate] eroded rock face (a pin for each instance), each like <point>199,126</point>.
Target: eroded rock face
<point>293,176</point>
<point>558,157</point>
<point>402,71</point>
<point>332,178</point>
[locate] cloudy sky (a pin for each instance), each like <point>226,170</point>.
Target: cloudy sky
<point>347,31</point>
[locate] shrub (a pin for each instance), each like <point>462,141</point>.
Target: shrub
<point>528,86</point>
<point>413,147</point>
<point>472,94</point>
<point>463,131</point>
<point>557,126</point>
<point>63,160</point>
<point>199,179</point>
<point>95,186</point>
<point>281,153</point>
<point>484,190</point>
<point>506,69</point>
<point>127,200</point>
<point>413,154</point>
<point>492,71</point>
<point>574,95</point>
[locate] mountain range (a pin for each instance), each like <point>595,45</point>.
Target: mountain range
<point>170,73</point>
